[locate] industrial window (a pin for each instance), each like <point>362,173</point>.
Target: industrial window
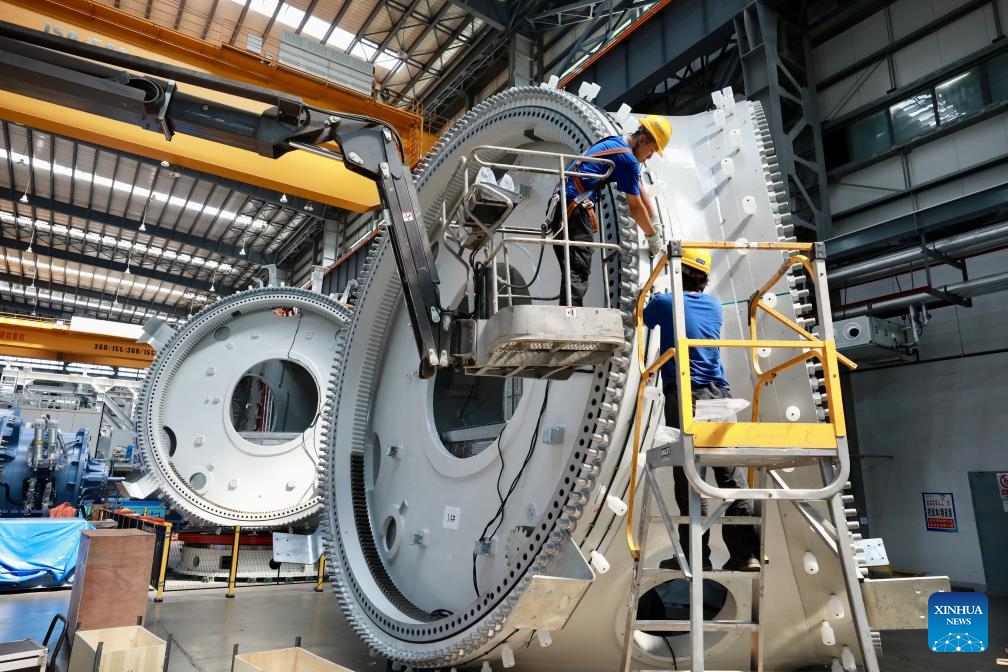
<point>948,102</point>
<point>869,136</point>
<point>997,74</point>
<point>960,96</point>
<point>913,116</point>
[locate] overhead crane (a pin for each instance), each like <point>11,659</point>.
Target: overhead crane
<point>59,342</point>
<point>74,24</point>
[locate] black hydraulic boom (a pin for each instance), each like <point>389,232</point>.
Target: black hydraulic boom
<point>93,79</point>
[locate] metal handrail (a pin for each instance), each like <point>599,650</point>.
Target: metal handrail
<point>824,350</point>
<point>477,158</point>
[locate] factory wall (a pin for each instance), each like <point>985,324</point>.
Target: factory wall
<point>923,427</point>
<point>931,106</point>
<point>923,122</point>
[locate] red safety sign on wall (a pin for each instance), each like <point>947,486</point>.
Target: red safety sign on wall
<point>1002,479</point>
<point>939,512</point>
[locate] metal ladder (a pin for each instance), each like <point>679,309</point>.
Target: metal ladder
<point>764,447</point>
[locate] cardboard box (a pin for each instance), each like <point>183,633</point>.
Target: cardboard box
<point>127,649</point>
<point>284,660</point>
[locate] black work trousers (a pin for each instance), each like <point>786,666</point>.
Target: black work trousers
<point>742,540</point>
<point>578,230</point>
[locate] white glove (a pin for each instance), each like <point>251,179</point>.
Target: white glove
<point>655,243</point>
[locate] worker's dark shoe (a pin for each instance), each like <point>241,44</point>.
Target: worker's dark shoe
<point>749,564</point>
<point>673,563</point>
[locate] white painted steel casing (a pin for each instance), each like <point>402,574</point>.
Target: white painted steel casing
<point>404,516</point>
<point>202,466</point>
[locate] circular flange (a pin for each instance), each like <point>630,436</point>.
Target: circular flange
<point>434,595</point>
<point>252,358</point>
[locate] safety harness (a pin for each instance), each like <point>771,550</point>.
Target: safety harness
<point>584,194</point>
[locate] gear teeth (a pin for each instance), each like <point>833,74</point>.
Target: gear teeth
<point>477,636</point>
<point>150,405</point>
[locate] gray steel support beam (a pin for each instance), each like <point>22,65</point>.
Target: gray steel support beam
<point>80,292</point>
<point>330,242</point>
<point>776,68</point>
<point>155,232</point>
<point>492,12</point>
<point>661,46</point>
<point>979,206</point>
<point>43,250</point>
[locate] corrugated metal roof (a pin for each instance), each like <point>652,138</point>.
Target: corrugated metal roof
<point>92,231</point>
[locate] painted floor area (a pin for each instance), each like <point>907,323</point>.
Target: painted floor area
<point>205,626</point>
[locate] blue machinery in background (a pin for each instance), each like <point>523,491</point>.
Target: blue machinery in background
<point>41,467</point>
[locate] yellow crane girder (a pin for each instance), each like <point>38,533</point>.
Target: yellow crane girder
<point>48,340</point>
<point>301,174</point>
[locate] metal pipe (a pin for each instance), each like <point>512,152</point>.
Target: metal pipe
<point>970,288</point>
<point>914,258</point>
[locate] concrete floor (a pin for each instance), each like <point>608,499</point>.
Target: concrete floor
<point>205,626</point>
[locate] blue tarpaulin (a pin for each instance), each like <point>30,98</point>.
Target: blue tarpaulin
<point>39,551</point>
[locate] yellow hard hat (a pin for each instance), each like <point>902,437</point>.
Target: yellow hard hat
<point>697,258</point>
<point>659,128</point>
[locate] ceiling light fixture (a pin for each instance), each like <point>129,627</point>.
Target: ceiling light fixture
<point>24,196</point>
<point>212,278</point>
<point>241,252</point>
<point>283,198</point>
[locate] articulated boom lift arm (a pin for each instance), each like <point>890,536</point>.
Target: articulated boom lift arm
<point>36,65</point>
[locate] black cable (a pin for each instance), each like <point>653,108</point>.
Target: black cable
<point>675,663</point>
<point>296,330</point>
<point>521,470</point>
<point>535,275</point>
<point>499,514</point>
<point>500,497</point>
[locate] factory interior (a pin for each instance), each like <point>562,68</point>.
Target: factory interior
<point>477,335</point>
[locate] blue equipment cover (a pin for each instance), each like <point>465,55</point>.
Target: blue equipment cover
<point>39,551</point>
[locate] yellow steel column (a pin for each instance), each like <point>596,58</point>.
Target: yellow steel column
<point>233,573</point>
<point>321,573</point>
<point>159,595</point>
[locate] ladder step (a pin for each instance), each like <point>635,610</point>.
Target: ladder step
<point>664,575</point>
<point>684,626</point>
<point>774,458</point>
<point>723,520</point>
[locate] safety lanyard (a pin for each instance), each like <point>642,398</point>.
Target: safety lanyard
<point>584,193</point>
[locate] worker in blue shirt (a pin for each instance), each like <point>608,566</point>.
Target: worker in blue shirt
<point>627,154</point>
<point>704,318</point>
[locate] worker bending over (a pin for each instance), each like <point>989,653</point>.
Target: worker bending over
<point>704,318</point>
<point>627,154</point>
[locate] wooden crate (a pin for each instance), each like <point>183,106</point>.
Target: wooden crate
<point>111,580</point>
<point>23,655</point>
<point>294,659</point>
<point>127,649</point>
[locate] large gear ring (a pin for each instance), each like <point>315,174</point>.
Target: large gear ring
<point>390,540</point>
<point>206,467</point>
